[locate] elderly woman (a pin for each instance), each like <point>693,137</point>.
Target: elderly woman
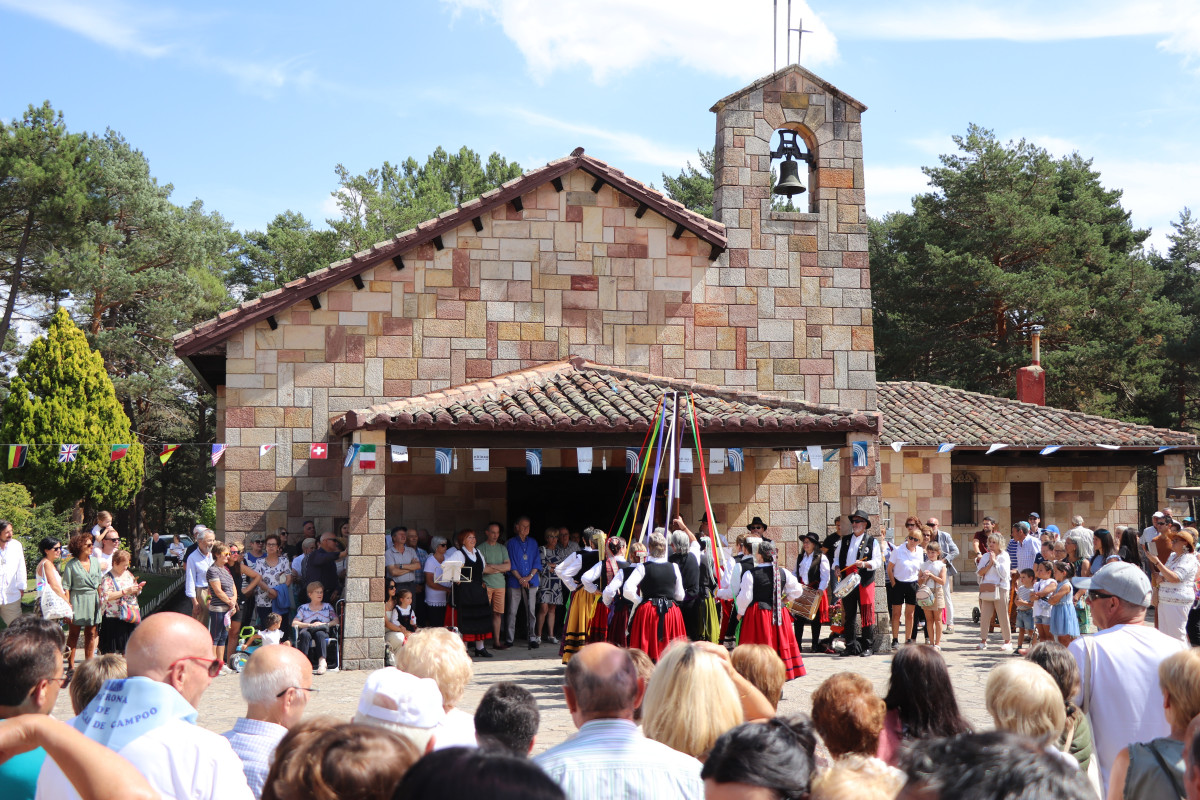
<point>1024,699</point>
<point>994,578</point>
<point>550,587</point>
<point>760,604</point>
<point>435,590</point>
<point>1177,591</point>
<point>314,622</point>
<point>119,591</point>
<point>657,621</point>
<point>1138,772</point>
<point>273,594</point>
<point>176,553</point>
<point>848,715</point>
<point>438,653</point>
<point>81,579</point>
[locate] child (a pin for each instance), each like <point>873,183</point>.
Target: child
<point>399,618</point>
<point>274,631</point>
<point>933,575</point>
<point>1042,588</point>
<point>1064,622</point>
<point>1024,609</point>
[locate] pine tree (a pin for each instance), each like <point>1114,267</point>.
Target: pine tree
<point>63,395</point>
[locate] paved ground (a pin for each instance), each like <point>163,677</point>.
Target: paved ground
<point>541,672</point>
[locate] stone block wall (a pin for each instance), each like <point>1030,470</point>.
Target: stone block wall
<point>815,339</point>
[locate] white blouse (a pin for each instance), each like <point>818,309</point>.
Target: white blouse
<point>806,564</point>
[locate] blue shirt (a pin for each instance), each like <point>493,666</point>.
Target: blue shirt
<point>610,758</point>
<point>19,775</point>
<point>255,741</point>
<point>523,557</point>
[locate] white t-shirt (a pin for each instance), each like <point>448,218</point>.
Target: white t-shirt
<point>1125,703</point>
<point>456,730</point>
<point>906,564</point>
<point>434,597</point>
<point>180,760</point>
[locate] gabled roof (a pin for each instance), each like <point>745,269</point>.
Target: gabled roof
<point>580,397</point>
<point>219,328</point>
<point>774,76</point>
<point>925,414</point>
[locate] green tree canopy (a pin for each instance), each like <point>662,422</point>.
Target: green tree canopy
<point>290,248</point>
<point>1180,271</point>
<point>693,187</point>
<point>386,201</point>
<point>43,190</point>
<point>1011,238</point>
<point>62,395</point>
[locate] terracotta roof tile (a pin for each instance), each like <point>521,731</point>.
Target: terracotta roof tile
<point>582,397</point>
<point>229,322</point>
<point>927,414</point>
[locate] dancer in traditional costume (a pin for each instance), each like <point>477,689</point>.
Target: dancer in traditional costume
<point>685,554</point>
<point>764,619</point>
<point>700,618</point>
<point>598,577</point>
<point>657,621</point>
<point>812,570</point>
<point>582,602</point>
<point>621,610</point>
<point>742,562</point>
<point>858,552</point>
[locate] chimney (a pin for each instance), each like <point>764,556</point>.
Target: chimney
<point>1031,380</point>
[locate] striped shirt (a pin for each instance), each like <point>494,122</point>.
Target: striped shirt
<point>610,759</point>
<point>1027,553</point>
<point>255,741</point>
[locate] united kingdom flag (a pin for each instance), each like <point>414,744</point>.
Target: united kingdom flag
<point>67,452</point>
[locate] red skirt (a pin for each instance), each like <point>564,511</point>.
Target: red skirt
<point>598,628</point>
<point>618,626</point>
<point>757,628</point>
<point>643,633</point>
<point>728,621</point>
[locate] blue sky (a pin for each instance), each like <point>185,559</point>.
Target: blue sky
<point>249,106</point>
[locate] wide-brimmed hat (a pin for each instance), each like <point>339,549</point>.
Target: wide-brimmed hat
<point>812,537</point>
<point>858,514</point>
<point>756,521</point>
<point>1185,535</point>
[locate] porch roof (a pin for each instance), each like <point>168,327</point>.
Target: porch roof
<point>926,414</point>
<point>580,399</point>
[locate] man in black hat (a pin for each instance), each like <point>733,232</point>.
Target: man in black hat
<point>858,550</point>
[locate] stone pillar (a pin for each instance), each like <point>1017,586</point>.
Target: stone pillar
<point>362,637</point>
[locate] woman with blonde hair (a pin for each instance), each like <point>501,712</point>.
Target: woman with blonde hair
<point>691,700</point>
<point>582,605</point>
<point>439,654</point>
<point>1024,699</point>
<point>1150,770</point>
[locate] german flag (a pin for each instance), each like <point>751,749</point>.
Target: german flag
<point>16,456</point>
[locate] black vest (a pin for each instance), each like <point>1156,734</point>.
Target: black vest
<point>813,578</point>
<point>689,573</point>
<point>763,582</point>
<point>864,554</point>
<point>590,559</point>
<point>659,581</point>
<point>605,577</point>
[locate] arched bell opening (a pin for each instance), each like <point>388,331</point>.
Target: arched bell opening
<point>795,147</point>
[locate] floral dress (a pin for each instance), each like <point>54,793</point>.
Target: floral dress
<point>551,586</point>
<point>273,577</point>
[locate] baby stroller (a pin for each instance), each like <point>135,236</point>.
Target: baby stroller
<point>248,641</point>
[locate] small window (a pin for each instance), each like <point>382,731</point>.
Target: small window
<point>962,498</point>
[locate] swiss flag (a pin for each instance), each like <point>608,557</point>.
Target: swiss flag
<point>318,450</point>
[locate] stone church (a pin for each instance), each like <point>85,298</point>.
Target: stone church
<point>554,313</point>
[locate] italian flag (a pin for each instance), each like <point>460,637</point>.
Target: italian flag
<point>366,456</point>
<point>118,452</point>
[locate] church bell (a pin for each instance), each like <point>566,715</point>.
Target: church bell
<point>789,179</point>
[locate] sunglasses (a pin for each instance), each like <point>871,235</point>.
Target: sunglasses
<point>1094,595</point>
<point>213,665</point>
<point>298,689</point>
<point>914,538</point>
<point>910,524</point>
<point>110,539</point>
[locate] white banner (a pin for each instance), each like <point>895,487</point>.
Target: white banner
<point>480,459</point>
<point>685,461</point>
<point>584,456</point>
<point>716,461</point>
<point>815,459</point>
<point>399,452</point>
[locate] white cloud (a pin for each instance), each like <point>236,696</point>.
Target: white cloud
<point>619,36</point>
<point>1178,21</point>
<point>154,33</point>
<point>620,146</point>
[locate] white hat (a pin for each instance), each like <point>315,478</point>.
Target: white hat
<point>1158,514</point>
<point>1119,579</point>
<point>391,695</point>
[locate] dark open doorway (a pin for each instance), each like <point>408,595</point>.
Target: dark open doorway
<point>1026,498</point>
<point>562,496</point>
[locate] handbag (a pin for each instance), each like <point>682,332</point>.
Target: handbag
<point>52,606</point>
<point>926,596</point>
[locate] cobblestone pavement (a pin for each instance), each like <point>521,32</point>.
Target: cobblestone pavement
<point>540,671</point>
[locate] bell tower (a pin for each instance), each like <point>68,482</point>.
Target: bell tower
<point>805,270</point>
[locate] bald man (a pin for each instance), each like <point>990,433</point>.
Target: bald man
<point>609,757</point>
<point>275,685</point>
<point>150,717</point>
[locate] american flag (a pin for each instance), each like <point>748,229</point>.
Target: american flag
<point>67,452</point>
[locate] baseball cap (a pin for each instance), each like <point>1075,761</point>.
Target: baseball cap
<point>1052,528</point>
<point>1158,514</point>
<point>393,696</point>
<point>1120,579</point>
<point>1034,515</point>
